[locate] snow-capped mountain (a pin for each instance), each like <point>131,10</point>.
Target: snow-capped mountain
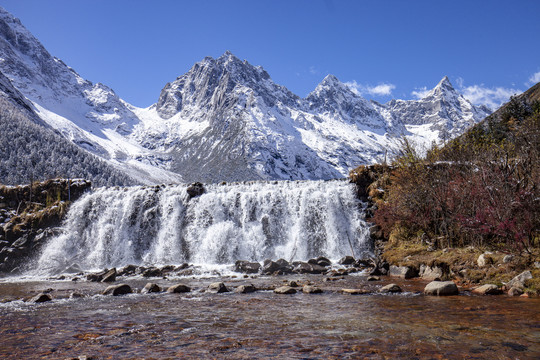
<point>225,119</point>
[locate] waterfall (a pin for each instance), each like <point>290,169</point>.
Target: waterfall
<point>112,227</point>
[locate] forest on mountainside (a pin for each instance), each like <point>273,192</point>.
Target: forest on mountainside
<point>30,152</point>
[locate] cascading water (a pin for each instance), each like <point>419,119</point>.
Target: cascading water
<point>294,220</point>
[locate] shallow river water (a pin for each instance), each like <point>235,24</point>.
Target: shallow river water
<point>201,325</point>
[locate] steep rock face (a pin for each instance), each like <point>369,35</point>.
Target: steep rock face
<point>443,109</point>
<point>225,119</point>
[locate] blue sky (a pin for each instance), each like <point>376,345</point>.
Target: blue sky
<point>386,49</point>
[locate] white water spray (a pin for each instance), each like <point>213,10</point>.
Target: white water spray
<point>112,227</point>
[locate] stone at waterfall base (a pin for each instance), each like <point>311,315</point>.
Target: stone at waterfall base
<point>178,288</point>
<point>488,289</point>
<point>285,290</point>
<point>390,288</point>
<point>355,291</point>
<point>150,288</point>
<point>245,289</point>
<point>217,288</point>
<point>441,288</point>
<point>308,289</point>
<point>40,298</point>
<point>116,290</point>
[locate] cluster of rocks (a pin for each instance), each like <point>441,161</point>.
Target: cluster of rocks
<point>30,214</point>
<point>320,265</point>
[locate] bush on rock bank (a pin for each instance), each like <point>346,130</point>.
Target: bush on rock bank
<point>439,213</point>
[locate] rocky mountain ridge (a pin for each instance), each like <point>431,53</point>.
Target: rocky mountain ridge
<point>225,119</point>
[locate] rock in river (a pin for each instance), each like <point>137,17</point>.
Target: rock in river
<point>487,289</point>
<point>441,288</point>
<point>178,288</point>
<point>116,290</point>
<point>285,290</point>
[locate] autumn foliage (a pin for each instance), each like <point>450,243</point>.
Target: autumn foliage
<point>481,189</point>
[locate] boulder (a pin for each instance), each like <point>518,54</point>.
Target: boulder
<point>307,268</point>
<point>270,267</point>
<point>432,273</point>
<point>322,261</point>
<point>109,276</point>
<point>441,288</point>
<point>520,279</point>
<point>405,272</point>
<point>515,291</point>
<point>217,288</point>
<point>152,272</point>
<point>484,259</point>
<point>127,270</point>
<point>285,290</point>
<point>178,288</point>
<point>245,289</point>
<point>150,288</point>
<point>195,189</point>
<point>116,290</point>
<point>292,283</point>
<point>487,289</point>
<point>308,289</point>
<point>346,260</point>
<point>373,278</point>
<point>355,291</point>
<point>97,277</point>
<point>40,298</point>
<point>390,288</point>
<point>247,267</point>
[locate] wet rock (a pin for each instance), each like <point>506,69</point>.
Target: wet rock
<point>306,268</point>
<point>117,290</point>
<point>322,261</point>
<point>362,263</point>
<point>487,289</point>
<point>245,289</point>
<point>333,278</point>
<point>270,267</point>
<point>195,189</point>
<point>355,291</point>
<point>373,278</point>
<point>109,276</point>
<point>167,269</point>
<point>152,272</point>
<point>285,290</point>
<point>405,272</point>
<point>283,263</point>
<point>308,289</point>
<point>390,288</point>
<point>76,295</point>
<point>128,270</point>
<point>181,267</point>
<point>441,288</point>
<point>40,298</point>
<point>178,288</point>
<point>515,291</point>
<point>150,288</point>
<point>520,279</point>
<point>484,259</point>
<point>97,277</point>
<point>217,288</point>
<point>346,260</point>
<point>247,267</point>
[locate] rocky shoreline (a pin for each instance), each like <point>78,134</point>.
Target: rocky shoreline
<point>316,276</point>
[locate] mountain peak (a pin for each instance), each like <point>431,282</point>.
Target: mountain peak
<point>443,89</point>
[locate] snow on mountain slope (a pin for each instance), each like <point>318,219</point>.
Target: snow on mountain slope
<point>90,115</point>
<point>225,119</point>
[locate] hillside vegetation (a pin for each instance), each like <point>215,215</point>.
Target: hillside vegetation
<point>480,190</point>
<point>31,152</point>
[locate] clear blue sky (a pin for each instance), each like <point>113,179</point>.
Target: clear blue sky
<point>488,48</point>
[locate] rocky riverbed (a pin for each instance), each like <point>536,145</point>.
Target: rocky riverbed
<point>224,314</point>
